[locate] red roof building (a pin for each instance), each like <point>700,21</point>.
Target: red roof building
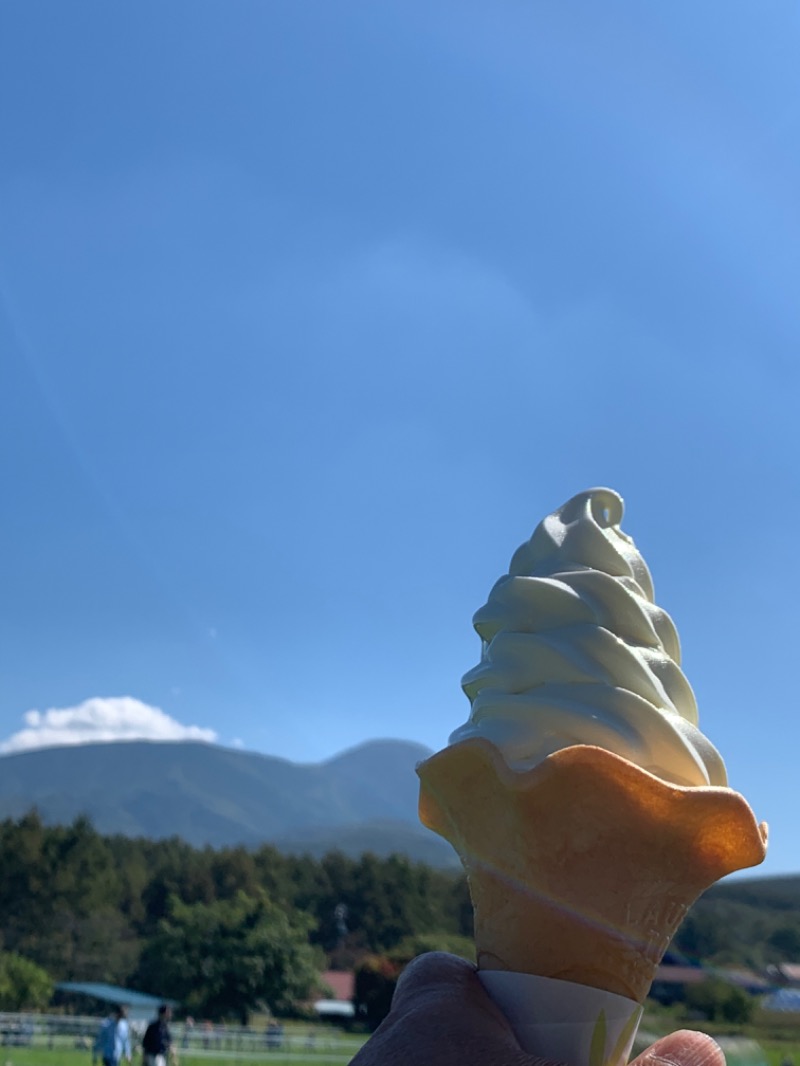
<point>342,984</point>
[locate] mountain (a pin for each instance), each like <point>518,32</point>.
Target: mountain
<point>779,893</point>
<point>381,838</point>
<point>362,799</point>
<point>747,921</point>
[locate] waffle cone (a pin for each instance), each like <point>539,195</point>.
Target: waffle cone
<point>582,868</point>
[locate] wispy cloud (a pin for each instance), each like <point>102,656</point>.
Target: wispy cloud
<point>101,719</point>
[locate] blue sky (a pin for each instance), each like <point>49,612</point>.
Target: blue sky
<point>310,311</point>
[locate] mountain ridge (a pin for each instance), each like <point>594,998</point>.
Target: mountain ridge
<point>363,798</point>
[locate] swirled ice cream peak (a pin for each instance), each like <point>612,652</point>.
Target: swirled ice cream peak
<point>575,651</point>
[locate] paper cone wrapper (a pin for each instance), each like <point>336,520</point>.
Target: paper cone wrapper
<point>582,868</point>
<point>565,1022</point>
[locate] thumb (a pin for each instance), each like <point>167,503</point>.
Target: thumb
<point>684,1048</point>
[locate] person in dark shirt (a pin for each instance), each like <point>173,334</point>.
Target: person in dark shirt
<point>157,1039</point>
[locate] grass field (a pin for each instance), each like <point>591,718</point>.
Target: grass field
<point>768,1041</point>
<point>42,1056</point>
<point>745,1052</point>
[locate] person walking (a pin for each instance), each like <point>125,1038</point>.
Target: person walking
<point>114,1039</point>
<point>157,1039</point>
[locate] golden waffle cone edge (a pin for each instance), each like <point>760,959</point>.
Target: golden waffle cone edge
<point>583,867</point>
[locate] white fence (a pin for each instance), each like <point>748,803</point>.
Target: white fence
<point>59,1031</point>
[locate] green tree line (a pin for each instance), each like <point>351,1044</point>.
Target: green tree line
<point>174,919</point>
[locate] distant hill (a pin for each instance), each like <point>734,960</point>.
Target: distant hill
<point>749,921</point>
<point>765,893</point>
<point>381,838</point>
<point>362,799</point>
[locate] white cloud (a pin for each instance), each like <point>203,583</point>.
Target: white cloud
<point>101,719</point>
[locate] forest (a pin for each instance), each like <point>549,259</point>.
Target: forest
<point>154,914</point>
<point>228,930</point>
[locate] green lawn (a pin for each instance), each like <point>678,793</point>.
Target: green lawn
<point>766,1042</point>
<point>773,1055</point>
<point>42,1056</point>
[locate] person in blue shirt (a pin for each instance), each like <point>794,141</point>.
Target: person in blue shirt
<point>114,1039</point>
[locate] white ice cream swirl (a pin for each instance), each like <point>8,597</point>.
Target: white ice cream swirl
<point>575,651</point>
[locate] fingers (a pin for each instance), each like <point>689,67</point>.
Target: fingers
<point>431,973</point>
<point>684,1048</point>
<point>432,969</point>
<point>439,981</point>
<point>442,1015</point>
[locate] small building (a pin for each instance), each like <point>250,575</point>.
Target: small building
<point>785,974</point>
<point>341,983</point>
<point>748,980</point>
<point>670,983</point>
<point>782,1000</point>
<point>339,1006</point>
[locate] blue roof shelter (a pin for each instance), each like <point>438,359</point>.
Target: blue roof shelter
<point>783,999</point>
<point>140,1005</point>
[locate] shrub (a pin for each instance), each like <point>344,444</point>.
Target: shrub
<point>23,984</point>
<point>719,1001</point>
<point>375,982</point>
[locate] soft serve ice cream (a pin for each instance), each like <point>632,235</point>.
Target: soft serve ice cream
<point>587,808</point>
<point>575,651</point>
